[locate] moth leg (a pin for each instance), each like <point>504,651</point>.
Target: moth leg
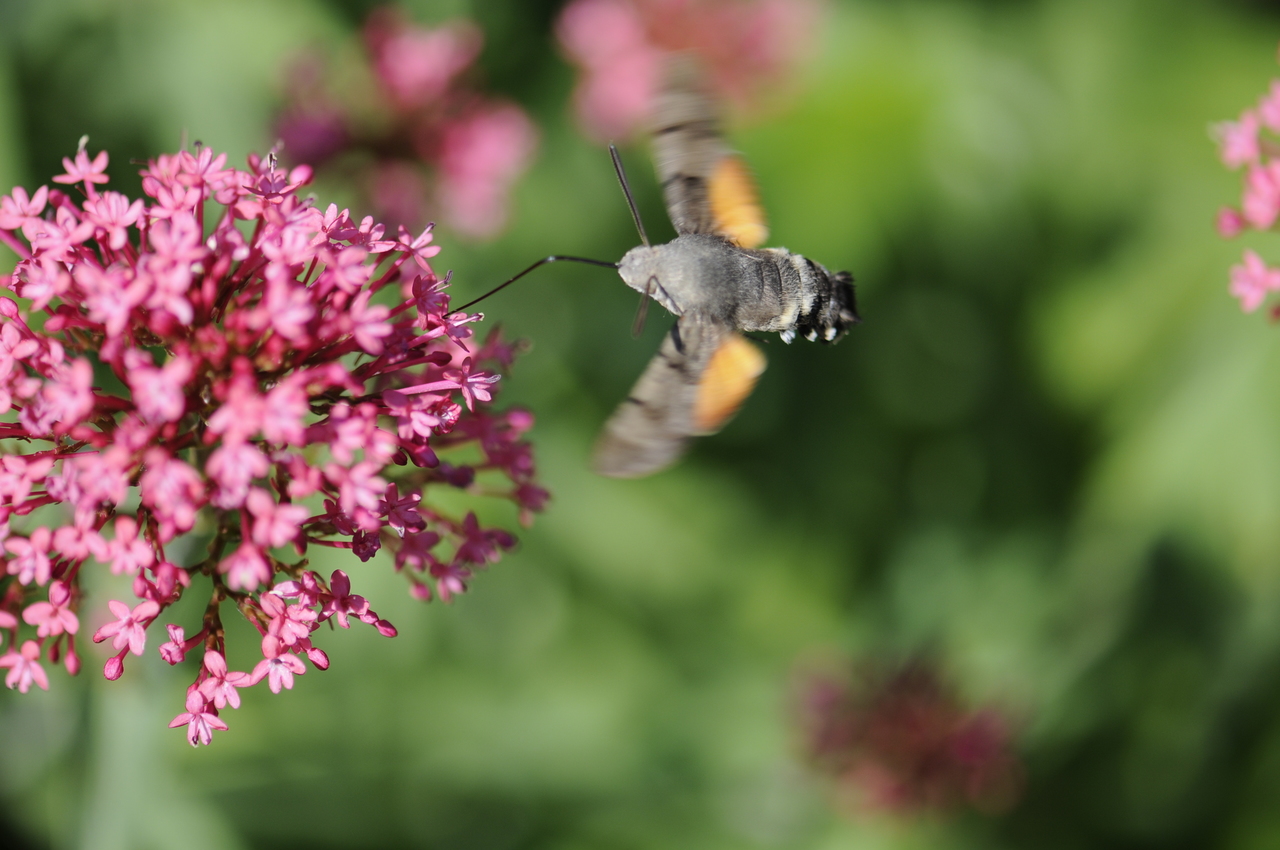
<point>642,309</point>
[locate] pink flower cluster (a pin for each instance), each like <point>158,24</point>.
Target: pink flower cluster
<point>901,741</point>
<point>206,370</point>
<point>420,111</point>
<point>1253,143</point>
<point>619,46</point>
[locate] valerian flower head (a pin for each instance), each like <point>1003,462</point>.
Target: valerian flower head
<point>224,357</point>
<point>1251,143</point>
<point>619,45</point>
<point>901,740</point>
<point>422,138</point>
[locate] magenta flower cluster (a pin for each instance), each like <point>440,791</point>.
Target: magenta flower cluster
<point>418,109</point>
<point>902,741</point>
<point>619,46</point>
<point>204,376</point>
<point>1253,143</point>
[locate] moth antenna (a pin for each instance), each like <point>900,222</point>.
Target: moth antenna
<point>642,310</point>
<point>626,190</point>
<point>542,262</point>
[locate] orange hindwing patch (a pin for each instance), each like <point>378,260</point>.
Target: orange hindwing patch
<point>729,378</point>
<point>735,203</point>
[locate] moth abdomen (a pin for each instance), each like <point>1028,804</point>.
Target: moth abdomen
<point>829,307</point>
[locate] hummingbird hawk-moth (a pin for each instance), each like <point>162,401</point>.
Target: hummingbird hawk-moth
<point>717,281</point>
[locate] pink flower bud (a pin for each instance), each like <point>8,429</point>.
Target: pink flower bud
<point>1230,223</point>
<point>114,667</point>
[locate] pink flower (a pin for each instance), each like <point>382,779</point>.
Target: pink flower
<point>1230,223</point>
<point>52,618</point>
<point>469,148</point>
<point>278,665</point>
<point>66,398</point>
<point>233,466</point>
<point>44,281</point>
<point>290,623</point>
<point>481,156</point>
<point>1262,195</point>
<point>173,491</point>
<point>24,668</point>
<point>220,686</point>
<point>609,39</point>
<point>283,413</point>
<point>199,720</point>
<point>19,474</point>
<point>175,649</point>
<point>369,324</point>
<point>19,208</point>
<point>274,524</point>
<point>480,545</point>
<point>84,170</point>
<point>112,212</point>
<point>240,418</point>
<point>416,64</point>
<point>341,602</point>
<point>1269,108</point>
<point>31,556</point>
<point>1239,140</point>
<point>451,579</point>
<point>402,513</point>
<point>161,393</point>
<point>130,628</point>
<point>472,384</point>
<point>308,592</point>
<point>358,487</point>
<point>129,553</point>
<point>1252,281</point>
<point>419,247</point>
<point>245,569</point>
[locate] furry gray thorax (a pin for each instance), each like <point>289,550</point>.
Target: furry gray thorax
<point>769,289</point>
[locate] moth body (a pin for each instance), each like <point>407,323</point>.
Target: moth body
<point>767,289</point>
<point>718,281</point>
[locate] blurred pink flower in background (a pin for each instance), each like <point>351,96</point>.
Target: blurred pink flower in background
<point>481,155</point>
<point>420,140</point>
<point>211,361</point>
<point>900,741</point>
<point>745,46</point>
<point>415,65</point>
<point>1252,142</point>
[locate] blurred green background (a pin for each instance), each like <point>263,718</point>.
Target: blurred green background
<point>1049,460</point>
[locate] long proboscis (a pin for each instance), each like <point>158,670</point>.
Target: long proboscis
<point>555,258</point>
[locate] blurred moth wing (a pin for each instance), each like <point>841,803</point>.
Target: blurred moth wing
<point>707,187</point>
<point>694,384</point>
